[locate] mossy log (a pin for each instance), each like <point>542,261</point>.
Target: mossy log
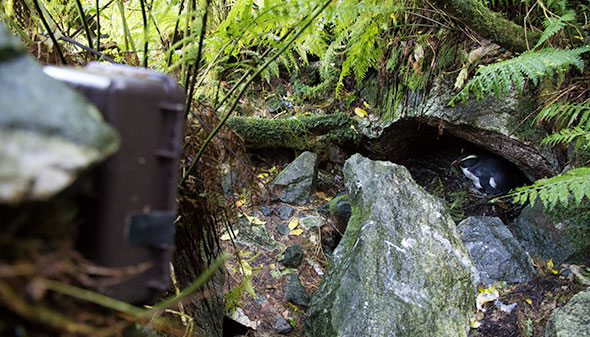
<point>489,24</point>
<point>312,132</point>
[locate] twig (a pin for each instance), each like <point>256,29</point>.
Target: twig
<point>96,52</point>
<point>51,36</point>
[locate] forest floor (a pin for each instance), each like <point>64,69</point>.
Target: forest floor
<point>265,302</point>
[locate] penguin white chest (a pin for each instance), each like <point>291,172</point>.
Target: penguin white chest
<point>471,177</point>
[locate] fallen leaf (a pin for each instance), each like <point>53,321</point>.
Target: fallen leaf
<point>254,220</point>
<point>293,223</point>
<point>323,196</point>
<point>296,232</point>
<point>366,104</point>
<point>226,236</point>
<point>360,112</point>
<point>528,300</point>
<point>550,266</point>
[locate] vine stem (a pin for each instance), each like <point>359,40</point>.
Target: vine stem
<point>319,10</point>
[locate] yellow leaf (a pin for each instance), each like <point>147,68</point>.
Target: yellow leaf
<point>360,112</point>
<point>254,220</point>
<point>225,237</point>
<point>528,300</point>
<point>239,203</point>
<point>474,323</point>
<point>296,232</point>
<point>578,37</point>
<point>366,104</point>
<point>484,297</point>
<point>263,175</point>
<point>550,266</point>
<point>293,223</point>
<point>323,196</point>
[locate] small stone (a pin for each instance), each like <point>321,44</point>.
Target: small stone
<point>293,256</point>
<point>283,229</point>
<point>282,326</point>
<point>285,212</point>
<point>266,210</point>
<point>295,292</point>
<point>312,221</point>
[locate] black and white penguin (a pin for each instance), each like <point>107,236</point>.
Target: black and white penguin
<point>490,174</point>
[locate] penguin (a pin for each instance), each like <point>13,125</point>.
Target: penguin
<point>490,174</point>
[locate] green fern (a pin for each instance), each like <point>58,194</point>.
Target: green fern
<point>567,114</point>
<point>567,136</point>
<point>554,25</point>
<point>556,190</point>
<point>499,77</point>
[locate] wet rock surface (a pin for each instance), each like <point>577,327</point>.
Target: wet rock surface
<point>368,290</point>
<point>497,255</point>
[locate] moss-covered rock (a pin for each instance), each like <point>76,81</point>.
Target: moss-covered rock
<point>401,269</point>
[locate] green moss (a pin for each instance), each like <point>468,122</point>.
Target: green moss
<point>301,133</point>
<point>577,219</point>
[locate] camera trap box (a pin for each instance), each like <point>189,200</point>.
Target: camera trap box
<point>128,207</point>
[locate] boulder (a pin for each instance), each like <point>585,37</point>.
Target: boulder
<point>48,132</point>
<point>298,180</point>
<point>401,269</point>
<point>558,235</point>
<point>571,320</point>
<point>496,253</point>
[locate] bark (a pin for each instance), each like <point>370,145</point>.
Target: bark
<point>489,24</point>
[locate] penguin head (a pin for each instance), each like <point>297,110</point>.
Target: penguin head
<point>466,160</point>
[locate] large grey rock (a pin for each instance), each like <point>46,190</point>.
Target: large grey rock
<point>543,237</point>
<point>571,320</point>
<point>400,269</point>
<point>298,180</point>
<point>494,250</point>
<point>48,132</point>
<point>10,46</point>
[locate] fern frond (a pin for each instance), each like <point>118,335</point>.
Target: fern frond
<point>497,77</point>
<point>566,136</point>
<point>554,25</point>
<point>567,114</point>
<point>556,190</point>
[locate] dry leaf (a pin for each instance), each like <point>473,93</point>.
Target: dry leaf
<point>296,232</point>
<point>360,112</point>
<point>293,223</point>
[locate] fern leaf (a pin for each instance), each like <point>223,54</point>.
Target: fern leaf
<point>497,77</point>
<point>568,114</point>
<point>554,25</point>
<point>566,136</point>
<point>573,184</point>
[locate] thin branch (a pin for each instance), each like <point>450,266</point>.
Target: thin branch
<point>51,36</point>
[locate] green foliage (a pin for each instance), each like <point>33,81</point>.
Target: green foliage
<point>499,77</point>
<point>567,115</point>
<point>556,190</point>
<point>554,25</point>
